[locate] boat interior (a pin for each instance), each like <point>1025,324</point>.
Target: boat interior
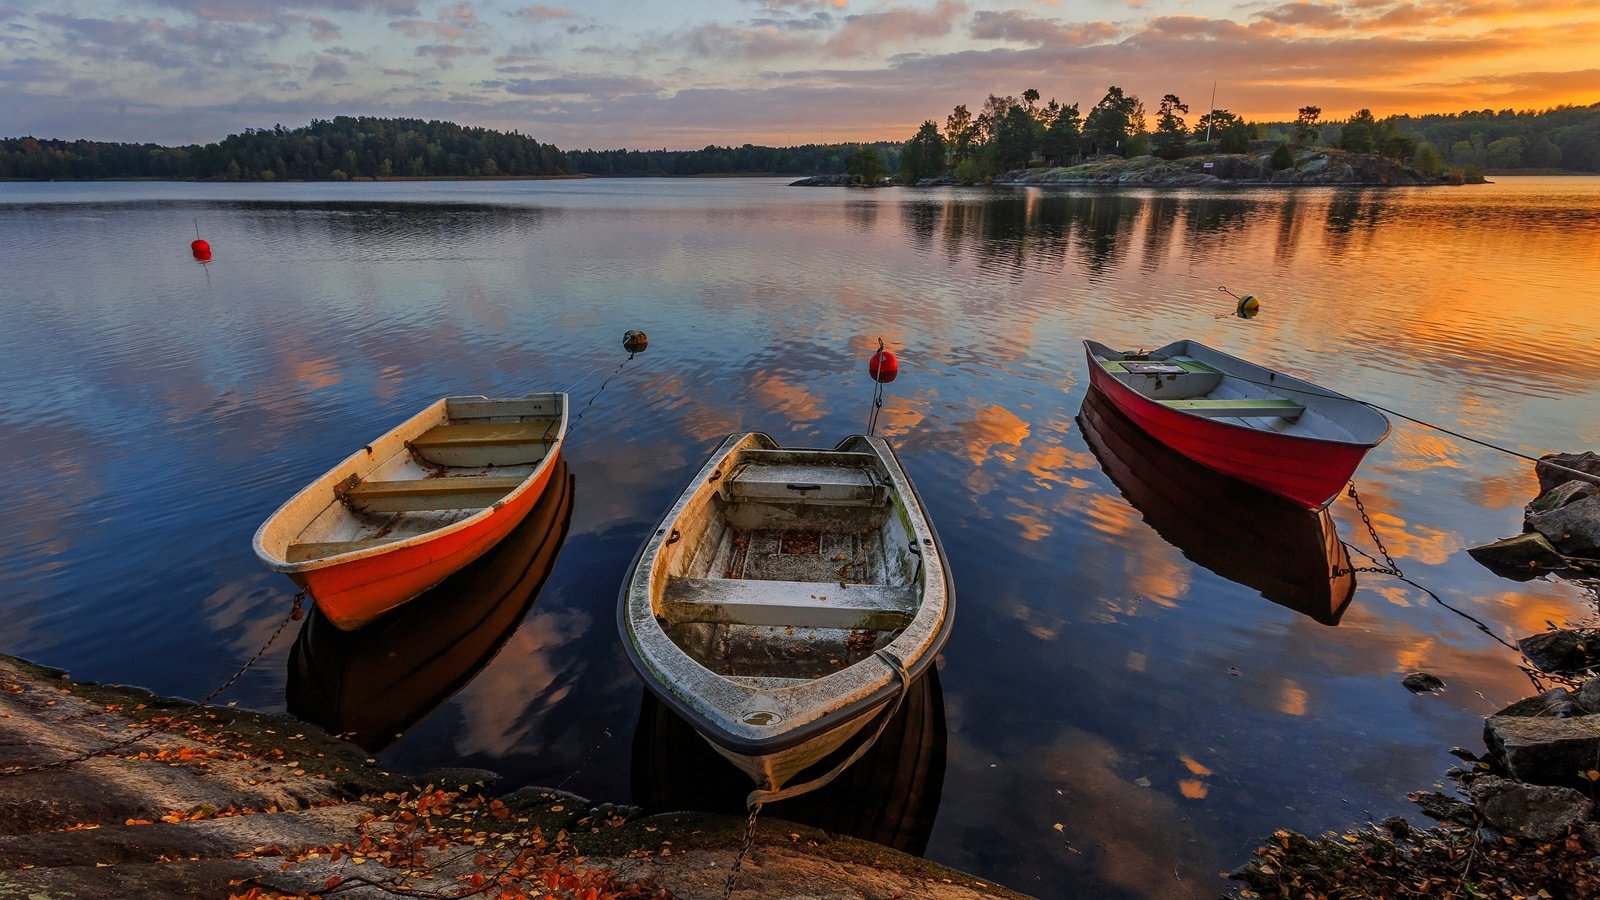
<point>798,564</point>
<point>1189,384</point>
<point>448,472</point>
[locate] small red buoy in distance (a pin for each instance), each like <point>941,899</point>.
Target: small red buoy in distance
<point>201,249</point>
<point>883,367</point>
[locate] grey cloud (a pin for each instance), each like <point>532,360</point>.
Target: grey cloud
<point>257,11</point>
<point>444,55</point>
<point>867,32</point>
<point>538,13</point>
<point>422,29</point>
<point>152,41</point>
<point>817,21</point>
<point>726,41</point>
<point>1306,14</point>
<point>1019,26</point>
<point>591,86</point>
<point>329,68</point>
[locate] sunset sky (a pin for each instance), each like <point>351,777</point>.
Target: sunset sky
<point>606,73</point>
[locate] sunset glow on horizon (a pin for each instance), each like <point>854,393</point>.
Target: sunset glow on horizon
<point>779,72</point>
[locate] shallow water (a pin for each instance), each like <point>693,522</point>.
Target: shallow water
<point>1162,715</point>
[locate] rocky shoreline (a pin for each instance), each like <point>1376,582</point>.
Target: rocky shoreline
<point>222,802</point>
<point>1320,167</point>
<point>1524,825</point>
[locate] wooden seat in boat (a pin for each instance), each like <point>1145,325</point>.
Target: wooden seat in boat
<point>419,494</point>
<point>486,443</point>
<point>1240,407</point>
<point>1157,366</point>
<point>797,604</point>
<point>485,434</point>
<point>300,552</point>
<point>835,485</point>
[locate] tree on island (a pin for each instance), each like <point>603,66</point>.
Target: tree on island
<point>1427,160</point>
<point>1107,126</point>
<point>1236,137</point>
<point>865,164</point>
<point>960,132</point>
<point>923,156</point>
<point>1213,124</point>
<point>1360,134</point>
<point>1063,135</point>
<point>1016,135</point>
<point>1306,130</point>
<point>1172,135</point>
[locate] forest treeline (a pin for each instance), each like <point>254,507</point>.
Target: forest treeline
<point>326,150</point>
<point>1008,133</point>
<point>1005,133</point>
<point>810,159</point>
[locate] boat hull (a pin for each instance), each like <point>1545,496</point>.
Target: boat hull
<point>1306,471</point>
<point>373,684</point>
<point>890,796</point>
<point>1291,555</point>
<point>776,723</point>
<point>354,593</point>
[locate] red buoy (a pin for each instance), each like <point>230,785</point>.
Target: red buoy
<point>201,249</point>
<point>883,367</point>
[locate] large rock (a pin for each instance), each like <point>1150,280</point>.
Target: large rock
<point>1523,556</point>
<point>1562,651</point>
<point>1589,695</point>
<point>1542,750</point>
<point>1574,529</point>
<point>1529,810</point>
<point>1561,495</point>
<point>1544,704</point>
<point>1559,468</point>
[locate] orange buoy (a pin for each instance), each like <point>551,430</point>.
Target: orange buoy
<point>200,248</point>
<point>883,367</point>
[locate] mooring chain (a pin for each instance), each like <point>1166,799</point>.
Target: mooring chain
<point>744,850</point>
<point>1390,567</point>
<point>297,611</point>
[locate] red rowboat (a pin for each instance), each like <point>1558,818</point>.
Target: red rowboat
<point>1292,555</point>
<point>1288,436</point>
<point>402,513</point>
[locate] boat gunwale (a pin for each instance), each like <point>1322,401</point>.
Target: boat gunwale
<point>1311,388</point>
<point>865,704</point>
<point>279,564</point>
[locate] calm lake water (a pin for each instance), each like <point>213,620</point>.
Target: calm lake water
<point>1117,720</point>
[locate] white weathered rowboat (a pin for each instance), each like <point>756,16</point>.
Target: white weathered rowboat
<point>786,601</point>
<point>402,513</point>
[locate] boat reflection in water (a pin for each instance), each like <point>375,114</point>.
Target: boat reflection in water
<point>889,796</point>
<point>1239,531</point>
<point>373,684</point>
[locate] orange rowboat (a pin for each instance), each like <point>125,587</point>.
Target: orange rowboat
<point>402,513</point>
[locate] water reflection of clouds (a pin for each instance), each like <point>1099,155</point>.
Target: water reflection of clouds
<point>500,709</point>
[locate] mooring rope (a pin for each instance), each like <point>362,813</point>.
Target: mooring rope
<point>596,393</point>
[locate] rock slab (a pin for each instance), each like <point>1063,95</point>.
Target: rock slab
<point>1529,810</point>
<point>1545,750</point>
<point>1574,529</point>
<point>1562,651</point>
